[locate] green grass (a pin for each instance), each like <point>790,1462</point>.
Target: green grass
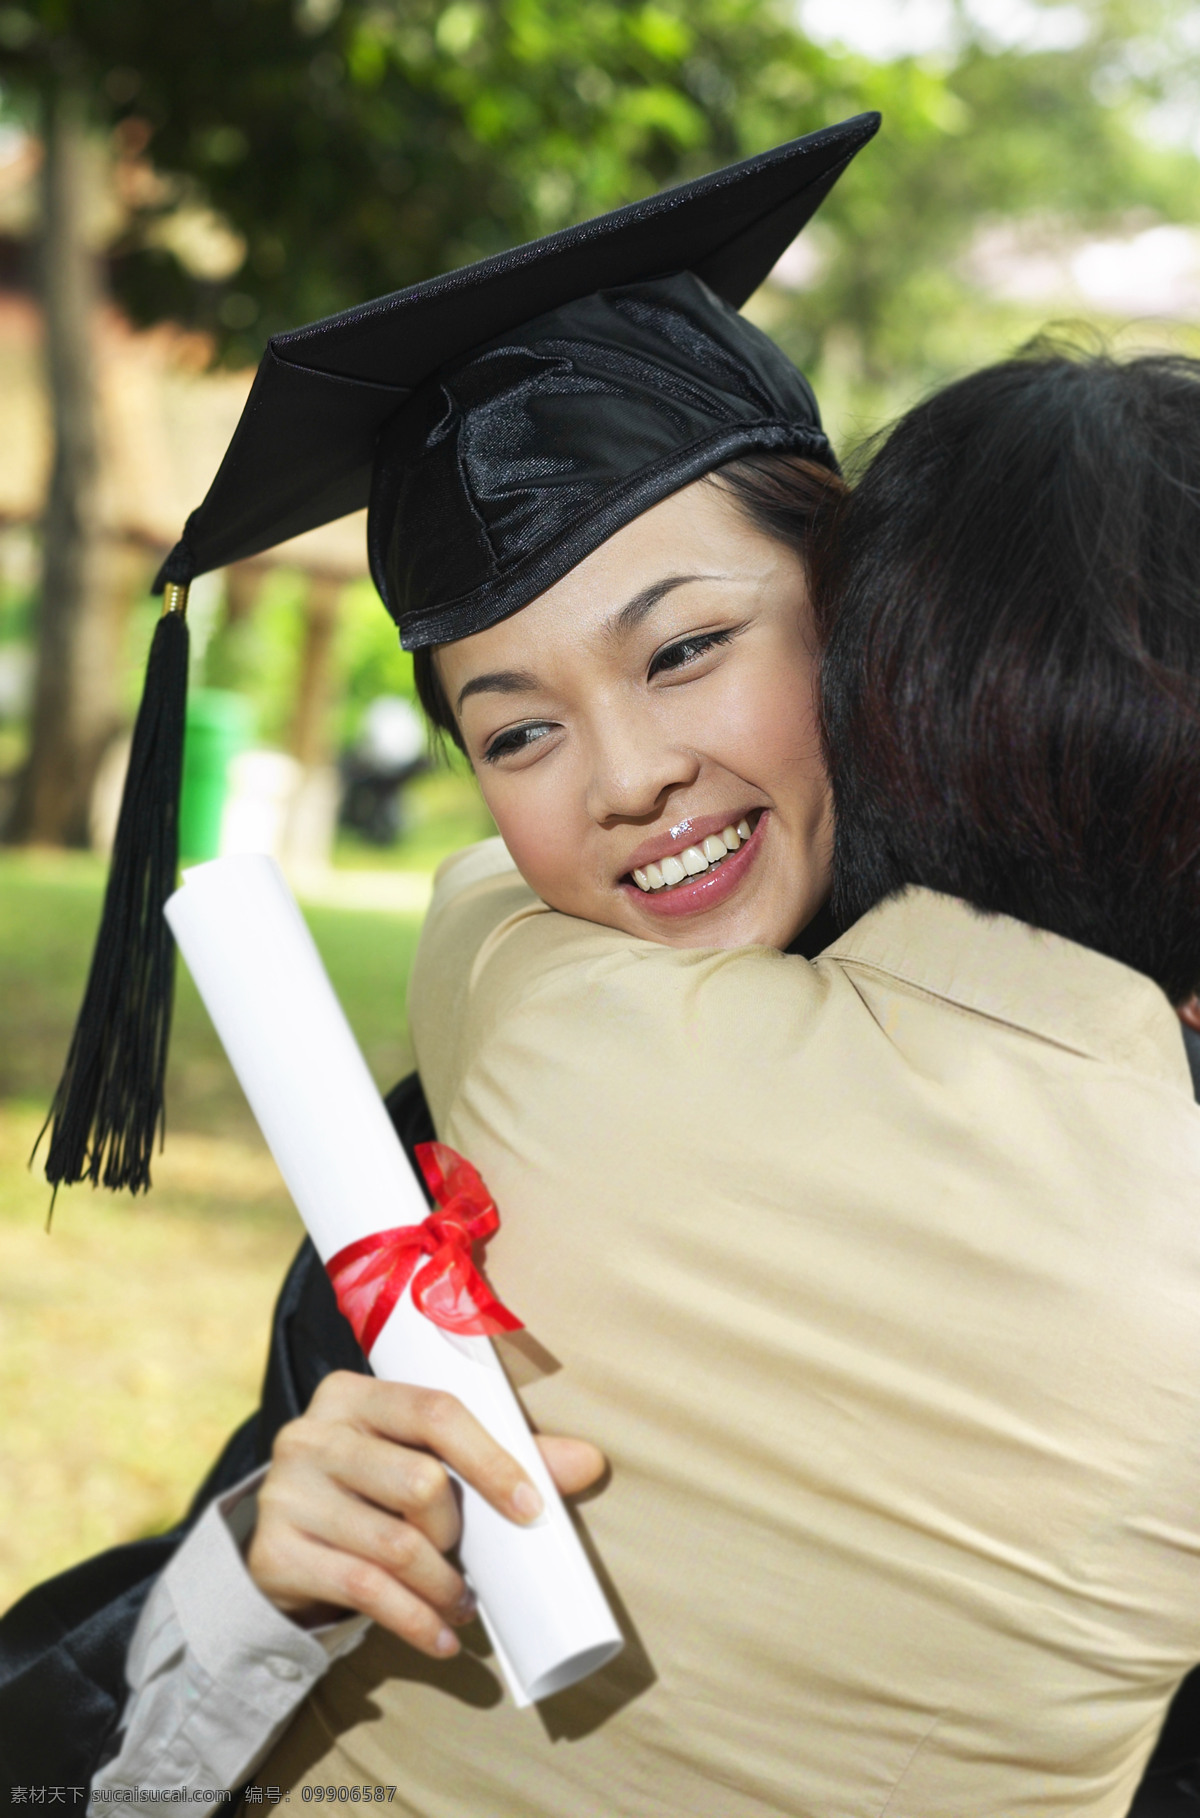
<point>132,1341</point>
<point>49,910</point>
<point>133,1336</point>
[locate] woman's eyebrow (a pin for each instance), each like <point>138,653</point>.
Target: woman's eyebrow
<point>498,681</point>
<point>630,616</point>
<point>626,619</point>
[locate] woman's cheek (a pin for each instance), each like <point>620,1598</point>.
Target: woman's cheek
<point>764,729</point>
<point>536,834</point>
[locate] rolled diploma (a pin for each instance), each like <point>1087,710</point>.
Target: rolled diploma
<point>258,971</point>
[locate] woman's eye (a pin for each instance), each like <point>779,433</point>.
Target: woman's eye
<point>514,739</point>
<point>687,650</point>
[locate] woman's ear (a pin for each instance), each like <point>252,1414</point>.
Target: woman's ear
<point>1189,1013</point>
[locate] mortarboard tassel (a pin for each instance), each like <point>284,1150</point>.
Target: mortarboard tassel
<point>109,1102</point>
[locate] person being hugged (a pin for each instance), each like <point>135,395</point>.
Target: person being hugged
<point>876,1278</point>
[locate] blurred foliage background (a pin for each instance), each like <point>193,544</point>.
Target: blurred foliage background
<point>235,167</point>
<point>337,149</point>
<point>179,182</point>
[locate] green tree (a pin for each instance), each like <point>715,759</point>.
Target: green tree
<point>988,133</point>
<point>355,146</point>
<point>362,147</point>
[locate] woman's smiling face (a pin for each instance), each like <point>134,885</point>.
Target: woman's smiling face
<point>630,721</point>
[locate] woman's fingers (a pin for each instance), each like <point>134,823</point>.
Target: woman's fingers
<point>358,1506</point>
<point>332,1581</point>
<point>346,1525</point>
<point>440,1424</point>
<point>312,1454</point>
<point>574,1464</point>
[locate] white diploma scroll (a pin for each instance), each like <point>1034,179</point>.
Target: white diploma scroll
<point>254,962</point>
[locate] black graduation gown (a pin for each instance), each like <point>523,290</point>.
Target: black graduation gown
<point>63,1646</point>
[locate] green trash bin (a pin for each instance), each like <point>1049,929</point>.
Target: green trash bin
<point>217,729</point>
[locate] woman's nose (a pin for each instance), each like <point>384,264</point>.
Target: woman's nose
<point>633,772</point>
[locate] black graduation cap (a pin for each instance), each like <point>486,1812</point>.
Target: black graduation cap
<point>304,450</point>
<point>521,409</point>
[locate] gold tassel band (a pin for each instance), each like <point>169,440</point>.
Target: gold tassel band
<point>175,599</point>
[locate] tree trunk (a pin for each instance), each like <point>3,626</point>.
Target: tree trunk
<point>75,707</point>
<point>308,737</point>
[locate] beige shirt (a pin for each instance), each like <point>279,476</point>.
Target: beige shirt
<point>878,1281</point>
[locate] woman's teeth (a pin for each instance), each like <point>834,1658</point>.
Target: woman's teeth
<point>693,859</point>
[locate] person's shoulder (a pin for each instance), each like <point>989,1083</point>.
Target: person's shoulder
<point>556,961</point>
<point>492,951</point>
<point>474,892</point>
<point>486,861</point>
<point>480,902</point>
<point>467,964</point>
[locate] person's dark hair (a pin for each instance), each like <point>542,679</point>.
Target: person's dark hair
<point>1010,605</point>
<point>784,495</point>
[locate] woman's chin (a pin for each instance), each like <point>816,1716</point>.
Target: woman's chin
<point>723,926</point>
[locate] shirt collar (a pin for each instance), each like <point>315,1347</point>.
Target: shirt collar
<point>1039,982</point>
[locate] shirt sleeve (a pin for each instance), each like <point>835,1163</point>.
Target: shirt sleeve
<point>215,1671</point>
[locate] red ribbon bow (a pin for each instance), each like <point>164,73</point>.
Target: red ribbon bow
<point>370,1276</point>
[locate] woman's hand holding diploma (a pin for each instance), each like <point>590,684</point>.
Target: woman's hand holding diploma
<point>341,1524</point>
<point>357,1509</point>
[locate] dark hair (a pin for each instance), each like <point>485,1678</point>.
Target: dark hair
<point>1010,602</point>
<point>784,495</point>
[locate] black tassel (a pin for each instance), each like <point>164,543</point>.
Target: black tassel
<point>109,1102</point>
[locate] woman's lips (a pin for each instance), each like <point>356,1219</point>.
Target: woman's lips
<point>699,894</point>
<point>690,832</point>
